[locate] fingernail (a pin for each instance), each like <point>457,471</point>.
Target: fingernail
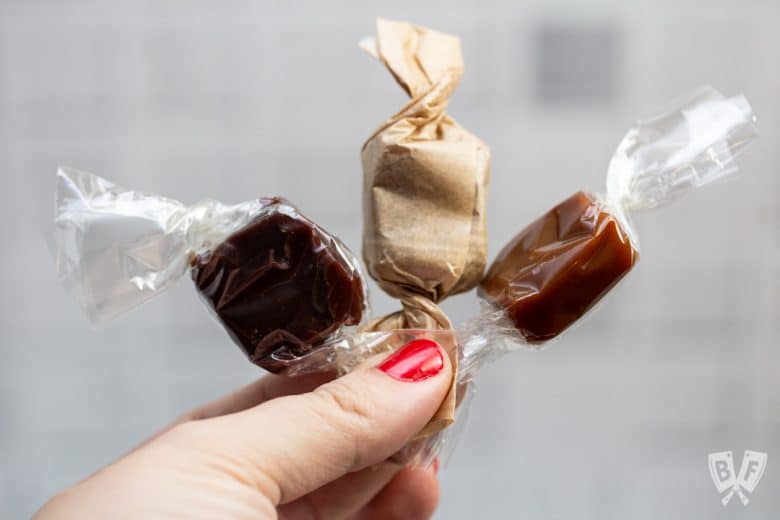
<point>415,361</point>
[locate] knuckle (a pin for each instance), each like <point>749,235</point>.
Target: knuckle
<point>346,403</point>
<point>190,431</point>
<point>351,415</point>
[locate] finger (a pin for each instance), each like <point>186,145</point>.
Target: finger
<point>290,446</point>
<point>264,389</point>
<point>343,497</point>
<point>412,494</point>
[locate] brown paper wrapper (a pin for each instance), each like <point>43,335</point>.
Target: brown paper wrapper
<point>425,185</point>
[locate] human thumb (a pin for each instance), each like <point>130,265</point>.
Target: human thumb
<point>291,445</point>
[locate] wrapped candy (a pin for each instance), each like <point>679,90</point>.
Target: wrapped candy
<point>293,297</point>
<point>281,285</point>
<point>559,266</point>
<point>424,189</point>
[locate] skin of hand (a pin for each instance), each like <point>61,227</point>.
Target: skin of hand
<point>297,448</point>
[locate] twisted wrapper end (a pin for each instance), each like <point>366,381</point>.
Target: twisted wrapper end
<point>423,315</point>
<point>425,185</point>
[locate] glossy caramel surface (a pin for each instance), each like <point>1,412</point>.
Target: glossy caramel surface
<point>558,267</point>
<point>280,286</point>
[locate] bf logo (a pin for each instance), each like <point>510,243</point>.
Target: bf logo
<point>726,479</point>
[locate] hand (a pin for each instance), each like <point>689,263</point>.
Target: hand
<point>283,447</point>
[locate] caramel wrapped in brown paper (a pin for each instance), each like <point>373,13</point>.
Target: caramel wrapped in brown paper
<point>425,184</point>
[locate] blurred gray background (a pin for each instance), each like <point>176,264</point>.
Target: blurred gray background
<point>240,99</point>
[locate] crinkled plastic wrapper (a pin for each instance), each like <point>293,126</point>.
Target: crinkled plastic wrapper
<point>557,269</point>
<point>281,286</point>
<point>560,266</point>
<point>424,195</point>
<point>293,297</point>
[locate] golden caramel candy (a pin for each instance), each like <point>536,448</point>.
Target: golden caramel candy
<point>558,267</point>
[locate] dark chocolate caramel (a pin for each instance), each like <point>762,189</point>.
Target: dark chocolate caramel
<point>280,286</point>
<point>558,267</point>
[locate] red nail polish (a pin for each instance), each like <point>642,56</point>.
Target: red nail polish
<point>415,361</point>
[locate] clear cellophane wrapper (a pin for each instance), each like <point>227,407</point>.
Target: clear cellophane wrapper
<point>115,248</point>
<point>424,205</point>
<point>659,159</point>
<point>425,187</point>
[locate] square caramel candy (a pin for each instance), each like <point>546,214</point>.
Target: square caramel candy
<point>558,267</point>
<point>280,286</point>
